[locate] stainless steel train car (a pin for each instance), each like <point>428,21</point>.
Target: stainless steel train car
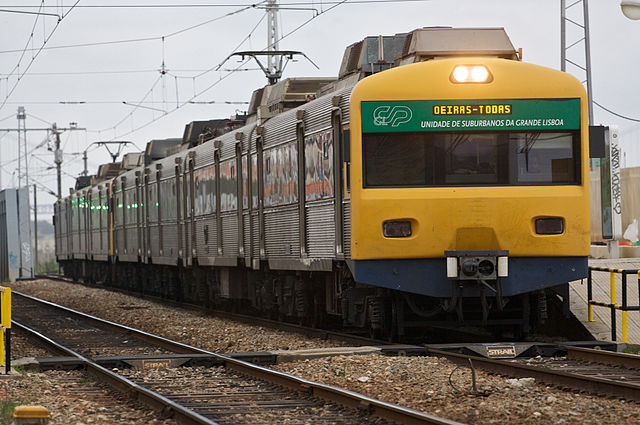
<point>438,181</point>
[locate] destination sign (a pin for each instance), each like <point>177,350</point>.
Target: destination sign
<point>501,109</point>
<point>470,115</point>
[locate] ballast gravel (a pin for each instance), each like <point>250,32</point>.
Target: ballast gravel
<point>439,387</point>
<point>429,384</point>
<point>74,398</point>
<point>180,324</point>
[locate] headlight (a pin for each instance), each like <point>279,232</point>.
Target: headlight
<point>396,229</point>
<point>471,74</point>
<point>550,226</point>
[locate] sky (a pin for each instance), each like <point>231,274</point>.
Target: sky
<point>110,58</point>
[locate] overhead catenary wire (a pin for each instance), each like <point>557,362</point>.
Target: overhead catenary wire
<point>197,94</point>
<point>115,102</point>
<point>131,71</point>
<point>215,5</point>
<point>38,51</point>
<point>178,104</point>
<point>139,39</point>
<point>615,113</point>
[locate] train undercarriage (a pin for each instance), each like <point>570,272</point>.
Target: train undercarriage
<point>330,300</point>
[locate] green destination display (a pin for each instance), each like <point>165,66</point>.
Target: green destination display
<point>470,115</point>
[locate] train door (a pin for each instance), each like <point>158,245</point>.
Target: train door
<point>302,222</point>
<point>218,204</point>
<point>101,220</point>
<point>146,200</point>
<point>123,206</point>
<point>179,209</point>
<point>192,205</point>
<point>90,220</point>
<point>260,198</point>
<point>240,197</point>
<point>159,206</point>
<point>138,215</point>
<point>336,122</point>
<point>68,217</point>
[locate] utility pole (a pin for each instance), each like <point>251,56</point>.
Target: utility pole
<point>57,153</point>
<point>35,229</point>
<point>277,60</point>
<point>274,64</point>
<point>21,118</point>
<point>584,28</point>
<point>57,158</point>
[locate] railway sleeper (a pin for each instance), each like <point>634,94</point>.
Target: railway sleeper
<point>324,299</point>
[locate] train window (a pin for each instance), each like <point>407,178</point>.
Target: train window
<point>467,159</point>
<point>245,183</point>
<point>281,180</point>
<point>254,181</point>
<point>152,202</point>
<point>205,190</point>
<point>544,157</point>
<point>228,186</point>
<point>318,155</point>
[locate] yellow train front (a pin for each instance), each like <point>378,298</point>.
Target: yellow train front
<point>470,185</point>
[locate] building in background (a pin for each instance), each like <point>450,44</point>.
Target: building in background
<point>15,235</point>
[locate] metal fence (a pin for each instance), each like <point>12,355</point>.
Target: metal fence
<point>624,307</point>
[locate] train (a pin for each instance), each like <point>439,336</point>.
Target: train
<point>439,182</point>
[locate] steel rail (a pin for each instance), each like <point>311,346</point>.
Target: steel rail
<point>390,411</point>
<point>630,361</point>
<point>175,346</point>
<point>341,396</point>
<point>273,324</point>
<point>168,407</point>
<point>559,378</point>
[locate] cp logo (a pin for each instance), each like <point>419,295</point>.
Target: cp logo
<point>386,115</point>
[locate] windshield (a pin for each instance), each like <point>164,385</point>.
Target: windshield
<point>468,159</point>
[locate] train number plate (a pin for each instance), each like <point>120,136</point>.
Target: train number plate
<point>155,363</point>
<point>501,351</point>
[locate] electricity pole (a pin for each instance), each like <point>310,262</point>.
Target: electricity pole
<point>274,64</point>
<point>35,228</point>
<point>56,131</point>
<point>57,158</point>
<point>582,23</point>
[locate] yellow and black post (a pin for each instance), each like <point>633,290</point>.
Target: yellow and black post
<point>589,297</point>
<point>624,307</point>
<point>5,325</point>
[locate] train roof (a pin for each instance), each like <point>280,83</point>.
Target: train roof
<point>361,59</point>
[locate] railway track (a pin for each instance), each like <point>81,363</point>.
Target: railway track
<point>229,391</point>
<point>242,318</point>
<point>584,369</point>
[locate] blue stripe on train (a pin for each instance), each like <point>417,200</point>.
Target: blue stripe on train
<point>428,276</point>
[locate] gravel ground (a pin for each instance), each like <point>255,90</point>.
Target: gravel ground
<point>189,327</point>
<point>232,398</point>
<point>22,346</point>
<point>73,398</point>
<point>422,383</point>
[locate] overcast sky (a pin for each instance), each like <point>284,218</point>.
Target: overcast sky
<point>105,76</point>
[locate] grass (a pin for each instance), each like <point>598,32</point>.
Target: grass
<point>632,349</point>
<point>48,266</point>
<point>6,409</point>
<point>22,369</point>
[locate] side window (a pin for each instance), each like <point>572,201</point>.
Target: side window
<point>281,175</point>
<point>228,185</point>
<point>254,181</point>
<point>318,154</point>
<point>245,182</point>
<point>205,190</point>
